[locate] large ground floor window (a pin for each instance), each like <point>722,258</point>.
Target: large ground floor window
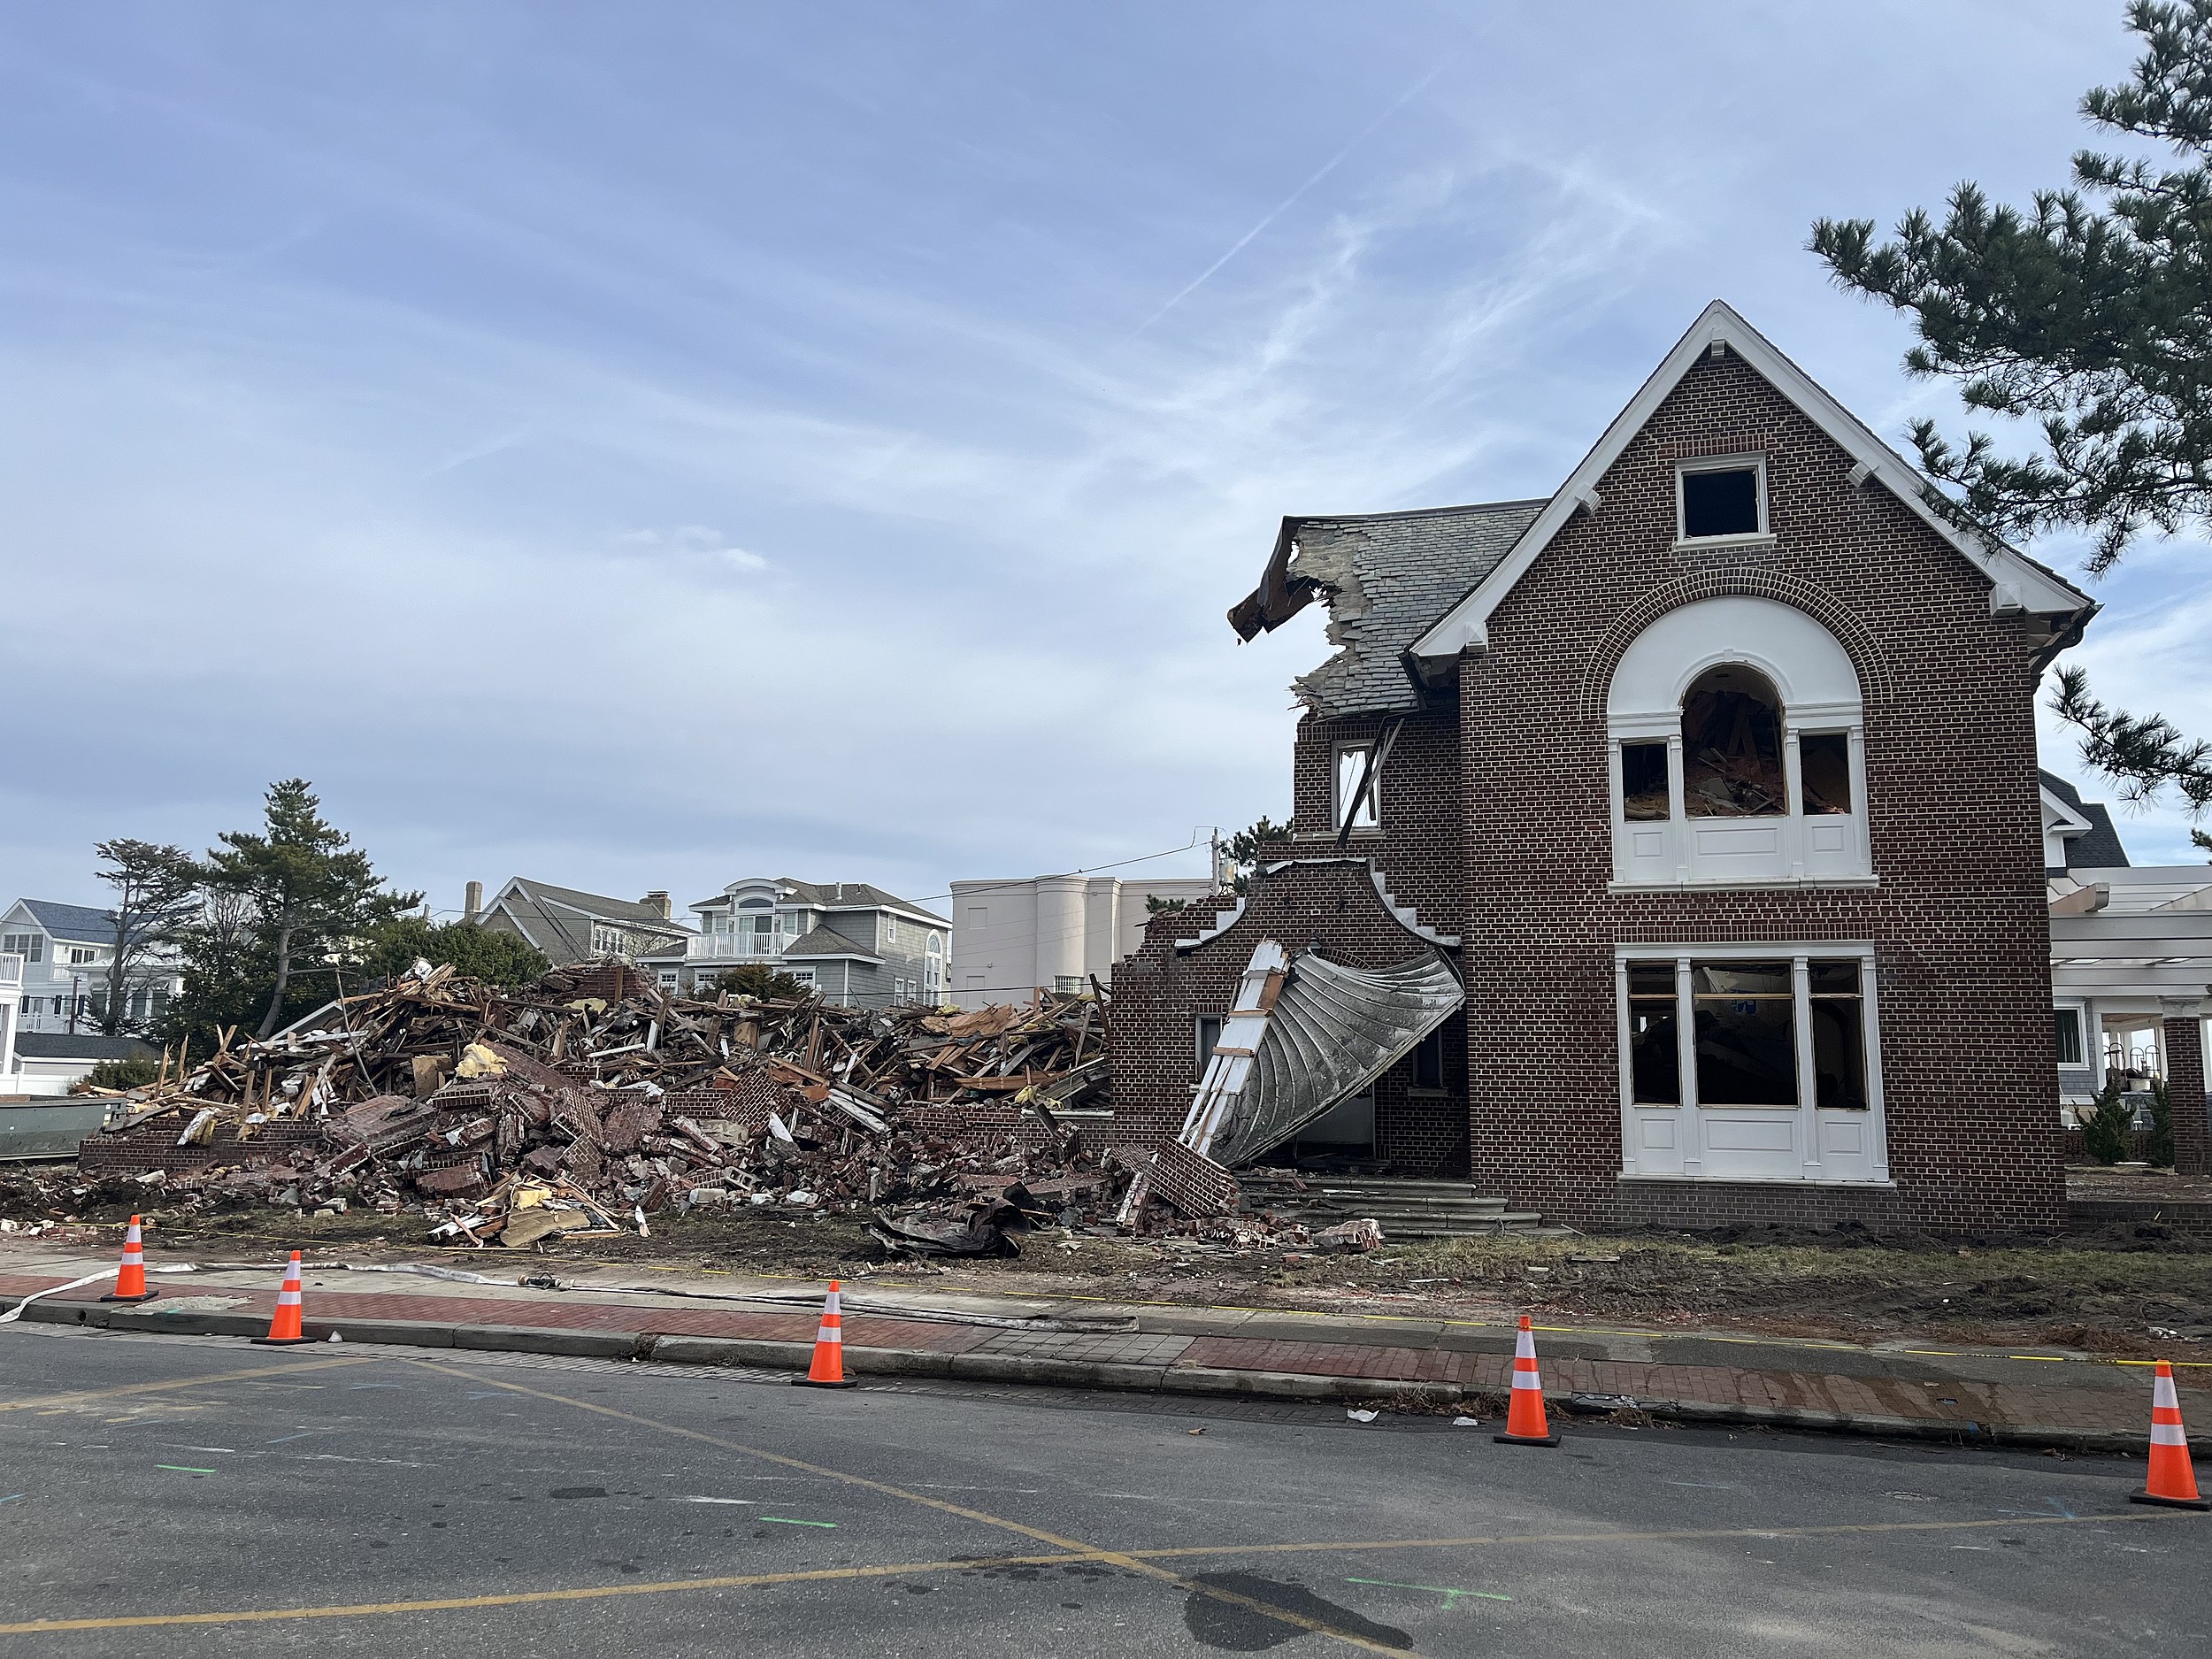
<point>1751,1062</point>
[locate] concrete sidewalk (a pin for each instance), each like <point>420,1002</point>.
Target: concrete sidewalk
<point>894,1328</point>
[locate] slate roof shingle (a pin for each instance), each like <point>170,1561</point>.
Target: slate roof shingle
<point>1389,577</point>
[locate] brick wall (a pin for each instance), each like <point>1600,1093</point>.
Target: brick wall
<point>1416,841</point>
<point>1958,920</point>
<point>1321,900</point>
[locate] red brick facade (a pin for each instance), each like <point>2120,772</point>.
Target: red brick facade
<point>1495,827</point>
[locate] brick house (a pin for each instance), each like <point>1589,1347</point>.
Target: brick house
<point>1713,776</point>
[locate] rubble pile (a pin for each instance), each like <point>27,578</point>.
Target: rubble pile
<point>591,1100</point>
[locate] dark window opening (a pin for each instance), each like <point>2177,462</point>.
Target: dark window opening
<point>1428,1062</point>
<point>1644,781</point>
<point>1747,1034</point>
<point>1208,1036</point>
<point>1837,1012</point>
<point>2070,1049</point>
<point>1823,765</point>
<point>1720,502</point>
<point>1732,745</point>
<point>1655,1055</point>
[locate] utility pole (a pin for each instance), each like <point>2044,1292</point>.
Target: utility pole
<point>76,996</point>
<point>1215,856</point>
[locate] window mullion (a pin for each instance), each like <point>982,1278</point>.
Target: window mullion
<point>1692,1132</point>
<point>1808,1085</point>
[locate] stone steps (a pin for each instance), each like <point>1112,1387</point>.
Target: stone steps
<point>1406,1209</point>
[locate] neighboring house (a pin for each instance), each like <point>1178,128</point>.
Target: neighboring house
<point>49,1063</point>
<point>1712,776</point>
<point>849,942</point>
<point>2130,955</point>
<point>1050,932</point>
<point>67,949</point>
<point>569,927</point>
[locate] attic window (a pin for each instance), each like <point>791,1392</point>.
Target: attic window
<point>1722,499</point>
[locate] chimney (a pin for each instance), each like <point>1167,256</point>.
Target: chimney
<point>474,903</point>
<point>656,902</point>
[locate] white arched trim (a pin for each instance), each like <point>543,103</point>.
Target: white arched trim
<point>1822,717</point>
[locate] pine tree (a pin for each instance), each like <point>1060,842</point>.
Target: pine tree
<point>278,901</point>
<point>2089,318</point>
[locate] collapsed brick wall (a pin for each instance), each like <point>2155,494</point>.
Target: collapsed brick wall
<point>1959,919</point>
<point>1321,900</point>
<point>142,1151</point>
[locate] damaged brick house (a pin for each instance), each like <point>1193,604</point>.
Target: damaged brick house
<point>1673,843</point>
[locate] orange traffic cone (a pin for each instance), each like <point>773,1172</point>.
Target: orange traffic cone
<point>130,1279</point>
<point>1524,1424</point>
<point>828,1370</point>
<point>284,1328</point>
<point>2171,1481</point>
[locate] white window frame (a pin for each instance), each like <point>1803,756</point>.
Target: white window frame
<point>1372,805</point>
<point>1754,463</point>
<point>1687,1142</point>
<point>1202,1051</point>
<point>2090,1053</point>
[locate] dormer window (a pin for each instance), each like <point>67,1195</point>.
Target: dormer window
<point>1721,500</point>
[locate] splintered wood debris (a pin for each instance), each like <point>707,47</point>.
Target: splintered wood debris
<point>592,1099</point>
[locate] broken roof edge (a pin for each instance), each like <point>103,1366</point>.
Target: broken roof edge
<point>2018,583</point>
<point>1263,611</point>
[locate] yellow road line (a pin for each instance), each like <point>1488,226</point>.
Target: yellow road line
<point>185,1382</point>
<point>517,1598</point>
<point>741,1581</point>
<point>1070,1546</point>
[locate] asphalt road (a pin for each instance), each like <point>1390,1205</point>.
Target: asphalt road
<point>169,1495</point>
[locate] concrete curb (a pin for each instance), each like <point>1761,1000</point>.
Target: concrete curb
<point>1196,1380</point>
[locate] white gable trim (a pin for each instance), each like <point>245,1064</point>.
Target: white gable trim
<point>2017,584</point>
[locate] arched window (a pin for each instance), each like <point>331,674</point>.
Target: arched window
<point>1732,745</point>
<point>1737,750</point>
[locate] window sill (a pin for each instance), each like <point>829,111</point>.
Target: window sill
<point>1625,1178</point>
<point>1362,832</point>
<point>1734,883</point>
<point>1722,543</point>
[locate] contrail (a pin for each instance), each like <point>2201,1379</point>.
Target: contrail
<point>1288,202</point>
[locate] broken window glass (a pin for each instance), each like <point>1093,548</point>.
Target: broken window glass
<point>1837,1013</point>
<point>1731,745</point>
<point>1721,501</point>
<point>1351,773</point>
<point>1747,1034</point>
<point>1824,766</point>
<point>1654,1058</point>
<point>1644,781</point>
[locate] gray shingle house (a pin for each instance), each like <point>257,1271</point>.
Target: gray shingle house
<point>852,942</point>
<point>570,926</point>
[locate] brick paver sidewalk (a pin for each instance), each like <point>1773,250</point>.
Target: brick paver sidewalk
<point>2077,1397</point>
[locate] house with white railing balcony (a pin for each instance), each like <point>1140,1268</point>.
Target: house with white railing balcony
<point>848,941</point>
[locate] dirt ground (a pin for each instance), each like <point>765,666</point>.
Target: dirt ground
<point>2125,1292</point>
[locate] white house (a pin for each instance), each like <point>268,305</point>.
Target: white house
<point>2131,954</point>
<point>67,949</point>
<point>1050,932</point>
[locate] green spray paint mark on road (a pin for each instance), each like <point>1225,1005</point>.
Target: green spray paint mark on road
<point>785,1520</point>
<point>1444,1590</point>
<point>184,1469</point>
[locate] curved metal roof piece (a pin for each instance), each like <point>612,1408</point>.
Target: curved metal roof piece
<point>1333,1031</point>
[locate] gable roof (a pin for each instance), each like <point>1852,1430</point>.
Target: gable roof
<point>1387,576</point>
<point>2017,583</point>
<point>833,896</point>
<point>80,923</point>
<point>2097,846</point>
<point>548,917</point>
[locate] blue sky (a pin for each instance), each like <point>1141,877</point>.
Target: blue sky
<point>642,447</point>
